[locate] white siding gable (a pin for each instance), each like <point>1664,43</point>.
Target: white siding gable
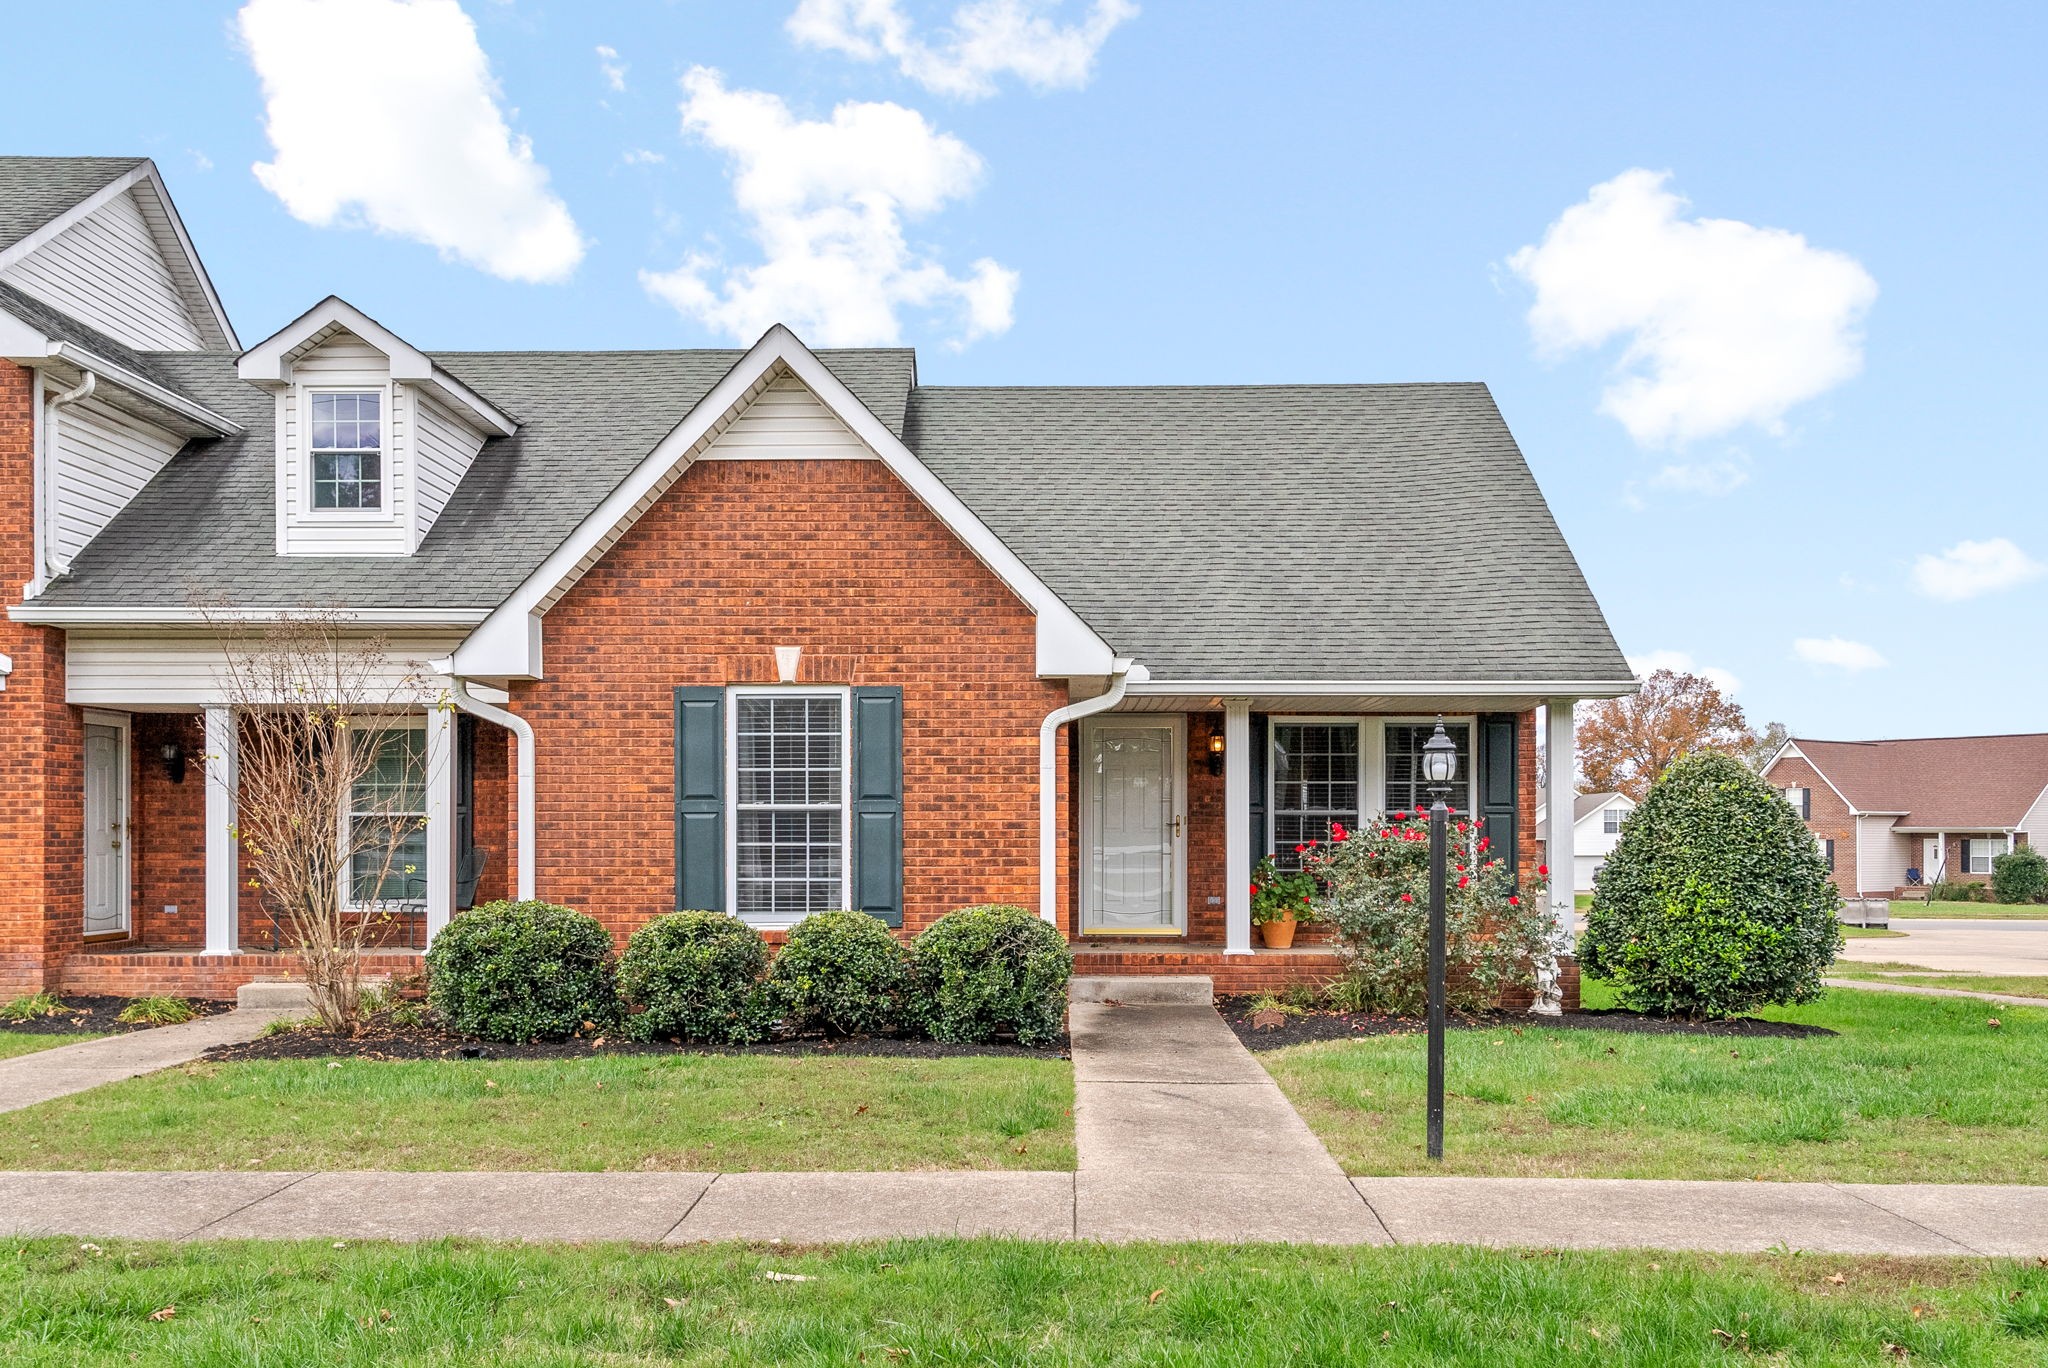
<point>786,422</point>
<point>104,458</point>
<point>107,270</point>
<point>443,449</point>
<point>2035,823</point>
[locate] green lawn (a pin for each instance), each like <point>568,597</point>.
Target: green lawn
<point>1892,971</point>
<point>1974,911</point>
<point>1914,1089</point>
<point>703,1112</point>
<point>14,1043</point>
<point>1000,1302</point>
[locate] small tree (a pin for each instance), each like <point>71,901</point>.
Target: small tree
<point>329,794</point>
<point>1716,901</point>
<point>1625,743</point>
<point>2020,876</point>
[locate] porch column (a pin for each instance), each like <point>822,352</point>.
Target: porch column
<point>440,818</point>
<point>223,778</point>
<point>1559,850</point>
<point>1237,826</point>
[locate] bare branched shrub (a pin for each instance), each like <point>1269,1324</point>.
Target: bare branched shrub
<point>331,801</point>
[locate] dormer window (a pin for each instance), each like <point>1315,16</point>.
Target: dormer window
<point>348,449</point>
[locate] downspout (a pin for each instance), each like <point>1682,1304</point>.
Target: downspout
<point>50,569</point>
<point>522,731</point>
<point>1048,785</point>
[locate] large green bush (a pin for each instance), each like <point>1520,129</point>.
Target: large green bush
<point>695,976</point>
<point>2020,876</point>
<point>1716,901</point>
<point>983,973</point>
<point>520,971</point>
<point>843,973</point>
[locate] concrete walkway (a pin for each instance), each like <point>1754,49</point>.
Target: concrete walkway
<point>1987,946</point>
<point>28,1079</point>
<point>1928,990</point>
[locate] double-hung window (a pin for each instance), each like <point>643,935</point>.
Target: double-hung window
<point>347,448</point>
<point>1610,822</point>
<point>387,836</point>
<point>1405,787</point>
<point>1341,770</point>
<point>1801,800</point>
<point>1980,851</point>
<point>789,814</point>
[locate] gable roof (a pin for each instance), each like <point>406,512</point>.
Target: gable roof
<point>1586,804</point>
<point>58,335</point>
<point>35,191</point>
<point>1957,783</point>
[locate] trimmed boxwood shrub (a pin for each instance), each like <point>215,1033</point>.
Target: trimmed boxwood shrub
<point>1716,901</point>
<point>2020,876</point>
<point>522,971</point>
<point>843,973</point>
<point>695,976</point>
<point>983,973</point>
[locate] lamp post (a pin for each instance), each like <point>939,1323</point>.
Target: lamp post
<point>1439,768</point>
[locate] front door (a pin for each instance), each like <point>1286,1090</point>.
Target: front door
<point>1930,859</point>
<point>106,832</point>
<point>1133,807</point>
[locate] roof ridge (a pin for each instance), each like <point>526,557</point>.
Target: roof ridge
<point>1227,385</point>
<point>1901,740</point>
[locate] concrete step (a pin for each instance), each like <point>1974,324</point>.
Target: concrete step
<point>287,995</point>
<point>1147,990</point>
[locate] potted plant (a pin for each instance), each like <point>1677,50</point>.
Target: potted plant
<point>1280,902</point>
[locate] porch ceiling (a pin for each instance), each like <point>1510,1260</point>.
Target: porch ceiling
<point>1404,704</point>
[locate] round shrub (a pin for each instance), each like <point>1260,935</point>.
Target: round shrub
<point>2020,876</point>
<point>521,971</point>
<point>1716,901</point>
<point>982,973</point>
<point>695,976</point>
<point>840,972</point>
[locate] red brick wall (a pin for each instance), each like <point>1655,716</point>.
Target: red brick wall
<point>1830,820</point>
<point>492,815</point>
<point>167,833</point>
<point>837,557</point>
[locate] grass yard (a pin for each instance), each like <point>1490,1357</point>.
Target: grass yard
<point>1971,911</point>
<point>673,1112</point>
<point>14,1043</point>
<point>1892,971</point>
<point>1914,1089</point>
<point>1000,1302</point>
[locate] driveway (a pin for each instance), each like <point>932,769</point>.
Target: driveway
<point>1984,947</point>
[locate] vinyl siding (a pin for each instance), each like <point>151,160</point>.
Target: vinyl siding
<point>1882,855</point>
<point>184,670</point>
<point>442,450</point>
<point>104,458</point>
<point>2035,823</point>
<point>344,361</point>
<point>107,271</point>
<point>787,422</point>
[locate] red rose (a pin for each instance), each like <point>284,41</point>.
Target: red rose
<point>1255,890</point>
<point>1543,870</point>
<point>1298,849</point>
<point>1514,901</point>
<point>1485,841</point>
<point>1463,881</point>
<point>1407,897</point>
<point>1401,816</point>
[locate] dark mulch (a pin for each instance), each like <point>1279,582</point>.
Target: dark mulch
<point>96,1012</point>
<point>383,1039</point>
<point>1309,1027</point>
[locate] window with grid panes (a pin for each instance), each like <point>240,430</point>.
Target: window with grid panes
<point>1405,791</point>
<point>1315,782</point>
<point>789,805</point>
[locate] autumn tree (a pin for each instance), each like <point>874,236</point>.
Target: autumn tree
<point>1625,743</point>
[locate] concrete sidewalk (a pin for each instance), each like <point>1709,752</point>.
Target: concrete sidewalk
<point>1928,990</point>
<point>28,1079</point>
<point>1990,946</point>
<point>673,1208</point>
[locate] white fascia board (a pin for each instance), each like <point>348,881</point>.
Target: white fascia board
<point>1791,749</point>
<point>58,616</point>
<point>1596,688</point>
<point>508,644</point>
<point>28,346</point>
<point>269,361</point>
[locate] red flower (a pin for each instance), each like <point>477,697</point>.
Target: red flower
<point>1255,890</point>
<point>1407,897</point>
<point>1543,870</point>
<point>1337,831</point>
<point>1485,841</point>
<point>1514,901</point>
<point>1298,849</point>
<point>1401,816</point>
<point>1463,881</point>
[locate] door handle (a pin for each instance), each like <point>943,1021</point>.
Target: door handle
<point>1176,826</point>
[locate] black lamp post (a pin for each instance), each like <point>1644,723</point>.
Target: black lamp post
<point>1439,768</point>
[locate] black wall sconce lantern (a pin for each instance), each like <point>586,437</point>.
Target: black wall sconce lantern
<point>174,761</point>
<point>1216,753</point>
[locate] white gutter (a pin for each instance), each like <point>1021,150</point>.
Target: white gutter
<point>1245,688</point>
<point>1048,785</point>
<point>459,695</point>
<point>50,569</point>
<point>90,361</point>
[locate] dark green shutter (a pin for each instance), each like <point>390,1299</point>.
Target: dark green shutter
<point>1262,844</point>
<point>1956,873</point>
<point>1496,788</point>
<point>878,803</point>
<point>700,798</point>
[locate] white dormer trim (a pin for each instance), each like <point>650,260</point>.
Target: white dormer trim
<point>508,643</point>
<point>178,251</point>
<point>269,362</point>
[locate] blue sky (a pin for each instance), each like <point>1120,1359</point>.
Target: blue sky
<point>1785,394</point>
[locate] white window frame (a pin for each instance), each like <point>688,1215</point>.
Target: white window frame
<point>387,509</point>
<point>1372,758</point>
<point>1970,865</point>
<point>410,722</point>
<point>1611,819</point>
<point>733,695</point>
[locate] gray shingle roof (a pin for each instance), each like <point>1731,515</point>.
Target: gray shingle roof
<point>1310,532</point>
<point>34,190</point>
<point>1360,532</point>
<point>63,327</point>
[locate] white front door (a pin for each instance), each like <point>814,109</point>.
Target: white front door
<point>1133,806</point>
<point>106,831</point>
<point>1930,859</point>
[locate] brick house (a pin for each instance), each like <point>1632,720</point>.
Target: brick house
<point>769,631</point>
<point>1896,815</point>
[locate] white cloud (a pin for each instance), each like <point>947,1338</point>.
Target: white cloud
<point>987,39</point>
<point>1678,662</point>
<point>1841,654</point>
<point>384,114</point>
<point>1705,477</point>
<point>1727,323</point>
<point>1970,568</point>
<point>826,201</point>
<point>641,156</point>
<point>609,65</point>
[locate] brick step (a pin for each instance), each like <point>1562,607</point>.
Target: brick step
<point>1143,990</point>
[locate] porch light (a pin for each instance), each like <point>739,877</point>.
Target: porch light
<point>1216,753</point>
<point>174,761</point>
<point>1439,759</point>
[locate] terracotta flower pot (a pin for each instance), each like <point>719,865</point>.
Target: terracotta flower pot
<point>1277,934</point>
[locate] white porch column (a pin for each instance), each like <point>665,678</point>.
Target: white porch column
<point>223,777</point>
<point>1559,849</point>
<point>441,769</point>
<point>1237,826</point>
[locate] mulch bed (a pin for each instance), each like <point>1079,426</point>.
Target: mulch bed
<point>96,1012</point>
<point>1309,1027</point>
<point>382,1039</point>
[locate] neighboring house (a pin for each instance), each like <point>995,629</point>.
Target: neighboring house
<point>1897,814</point>
<point>1596,830</point>
<point>770,631</point>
